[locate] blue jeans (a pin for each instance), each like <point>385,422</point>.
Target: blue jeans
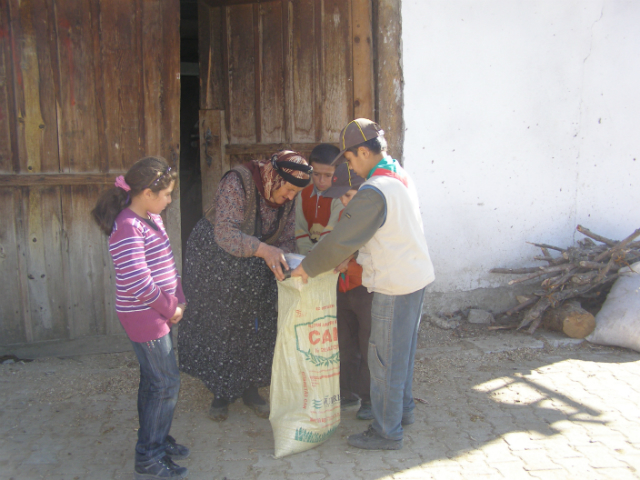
<point>392,347</point>
<point>157,396</point>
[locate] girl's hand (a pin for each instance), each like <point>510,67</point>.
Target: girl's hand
<point>274,258</point>
<point>178,315</point>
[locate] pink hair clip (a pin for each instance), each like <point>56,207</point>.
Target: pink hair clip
<point>121,183</point>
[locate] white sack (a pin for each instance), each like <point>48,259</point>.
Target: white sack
<point>305,378</point>
<point>618,322</point>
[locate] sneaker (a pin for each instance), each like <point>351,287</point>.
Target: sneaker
<point>255,402</point>
<point>163,468</point>
<point>175,450</point>
<point>372,440</point>
<point>219,410</point>
<point>365,413</point>
<point>408,418</point>
<point>348,402</point>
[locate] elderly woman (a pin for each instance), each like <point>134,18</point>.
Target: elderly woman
<point>234,256</point>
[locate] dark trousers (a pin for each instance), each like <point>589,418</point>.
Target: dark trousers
<point>157,396</point>
<point>354,328</point>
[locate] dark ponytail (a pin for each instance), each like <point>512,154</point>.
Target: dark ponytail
<point>149,172</point>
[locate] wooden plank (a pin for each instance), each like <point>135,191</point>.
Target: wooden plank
<point>112,323</point>
<point>122,60</point>
<point>77,114</point>
<point>26,180</point>
<point>8,121</point>
<point>170,113</point>
<point>22,244</point>
<point>287,58</point>
<point>152,80</point>
<point>44,270</point>
<point>362,41</point>
<point>241,58</point>
<point>14,78</point>
<point>319,69</point>
<point>257,66</point>
<point>102,107</point>
<point>12,326</point>
<point>389,79</point>
<point>337,70</point>
<point>83,250</point>
<point>272,73</point>
<point>38,61</point>
<point>210,57</point>
<point>304,71</point>
<point>212,153</point>
<point>225,68</point>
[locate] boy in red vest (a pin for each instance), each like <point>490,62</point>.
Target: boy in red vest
<point>317,214</point>
<point>354,309</point>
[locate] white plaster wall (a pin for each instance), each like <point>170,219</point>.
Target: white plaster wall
<point>522,120</point>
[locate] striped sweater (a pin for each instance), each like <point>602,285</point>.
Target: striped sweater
<point>148,287</point>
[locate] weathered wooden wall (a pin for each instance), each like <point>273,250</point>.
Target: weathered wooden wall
<point>86,88</point>
<point>280,73</point>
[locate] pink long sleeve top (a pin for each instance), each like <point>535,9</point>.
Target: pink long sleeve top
<point>148,287</point>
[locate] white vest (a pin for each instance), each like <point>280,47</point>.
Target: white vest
<point>396,260</point>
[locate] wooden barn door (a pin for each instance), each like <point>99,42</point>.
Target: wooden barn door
<point>86,88</point>
<point>276,74</point>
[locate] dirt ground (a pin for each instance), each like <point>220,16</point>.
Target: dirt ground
<point>52,380</point>
<point>494,411</point>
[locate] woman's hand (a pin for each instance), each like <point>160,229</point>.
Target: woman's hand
<point>344,265</point>
<point>274,258</point>
<point>178,315</point>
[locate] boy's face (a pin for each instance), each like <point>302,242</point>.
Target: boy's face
<point>346,198</point>
<point>321,175</point>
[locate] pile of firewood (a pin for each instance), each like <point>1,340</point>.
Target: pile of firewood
<point>578,272</point>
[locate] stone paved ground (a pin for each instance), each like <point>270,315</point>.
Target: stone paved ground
<point>497,406</point>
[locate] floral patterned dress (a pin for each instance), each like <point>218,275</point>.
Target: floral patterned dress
<point>227,335</point>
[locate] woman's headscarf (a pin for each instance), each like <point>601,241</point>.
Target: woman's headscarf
<point>268,179</point>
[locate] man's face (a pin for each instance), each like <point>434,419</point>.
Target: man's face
<point>321,175</point>
<point>357,161</point>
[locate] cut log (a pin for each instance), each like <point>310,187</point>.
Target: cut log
<point>571,319</point>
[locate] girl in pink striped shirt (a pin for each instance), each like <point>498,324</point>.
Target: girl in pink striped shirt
<point>149,299</point>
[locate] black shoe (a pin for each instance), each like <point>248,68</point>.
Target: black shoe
<point>254,401</point>
<point>219,410</point>
<point>365,413</point>
<point>175,450</point>
<point>408,418</point>
<point>163,468</point>
<point>346,402</point>
<point>372,440</point>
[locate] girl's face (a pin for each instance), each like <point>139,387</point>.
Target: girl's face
<point>285,193</point>
<point>346,198</point>
<point>158,201</point>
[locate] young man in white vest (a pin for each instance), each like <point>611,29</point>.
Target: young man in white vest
<point>382,223</point>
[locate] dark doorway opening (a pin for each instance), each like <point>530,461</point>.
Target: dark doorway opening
<point>190,176</point>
